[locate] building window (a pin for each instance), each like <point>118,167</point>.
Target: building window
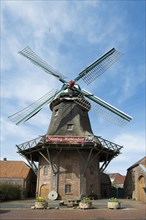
<point>68,188</point>
<point>46,170</point>
<point>56,112</point>
<point>69,127</point>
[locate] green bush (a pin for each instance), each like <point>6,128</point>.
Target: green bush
<point>85,200</point>
<point>9,191</point>
<point>113,199</point>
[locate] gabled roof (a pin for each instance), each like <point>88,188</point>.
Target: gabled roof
<point>113,175</point>
<point>117,178</point>
<point>140,162</point>
<point>13,169</point>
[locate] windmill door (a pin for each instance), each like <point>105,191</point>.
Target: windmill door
<point>44,191</point>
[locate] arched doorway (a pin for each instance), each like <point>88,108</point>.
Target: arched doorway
<point>141,195</point>
<point>44,191</point>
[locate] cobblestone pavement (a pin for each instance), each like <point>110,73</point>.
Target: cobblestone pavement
<point>131,210</point>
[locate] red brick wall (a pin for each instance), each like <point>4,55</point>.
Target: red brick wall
<point>71,169</point>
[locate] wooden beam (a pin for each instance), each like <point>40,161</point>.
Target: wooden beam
<point>32,165</point>
<point>87,162</point>
<point>48,153</point>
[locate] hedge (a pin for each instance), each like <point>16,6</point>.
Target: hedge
<point>9,191</point>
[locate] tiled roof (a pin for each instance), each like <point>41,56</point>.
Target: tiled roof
<point>13,169</point>
<point>112,175</point>
<point>117,177</point>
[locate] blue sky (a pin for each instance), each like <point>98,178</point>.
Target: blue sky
<point>70,35</point>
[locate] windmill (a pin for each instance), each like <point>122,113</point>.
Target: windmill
<point>70,156</point>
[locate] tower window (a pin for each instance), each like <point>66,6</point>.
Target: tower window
<point>46,170</point>
<point>69,127</point>
<point>68,188</point>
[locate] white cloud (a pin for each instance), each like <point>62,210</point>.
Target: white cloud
<point>64,18</point>
<point>134,141</point>
<point>16,132</point>
<point>12,134</point>
<point>27,87</point>
<point>134,149</point>
<point>131,80</point>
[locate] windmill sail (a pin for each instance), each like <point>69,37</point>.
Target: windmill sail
<point>34,108</point>
<point>90,73</point>
<point>34,58</point>
<point>105,109</point>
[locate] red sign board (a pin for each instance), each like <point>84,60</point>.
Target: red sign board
<point>70,139</point>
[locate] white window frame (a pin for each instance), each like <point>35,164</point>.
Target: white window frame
<point>68,188</point>
<point>70,127</point>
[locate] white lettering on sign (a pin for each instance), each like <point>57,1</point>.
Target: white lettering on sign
<point>54,138</point>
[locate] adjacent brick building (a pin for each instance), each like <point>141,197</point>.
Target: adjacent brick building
<point>135,182</point>
<point>18,172</point>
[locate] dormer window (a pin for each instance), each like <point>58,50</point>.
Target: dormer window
<point>69,127</point>
<point>56,112</point>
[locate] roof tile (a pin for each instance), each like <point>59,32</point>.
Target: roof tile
<point>14,169</point>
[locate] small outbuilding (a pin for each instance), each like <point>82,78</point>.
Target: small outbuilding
<point>117,185</point>
<point>18,172</point>
<point>135,182</point>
